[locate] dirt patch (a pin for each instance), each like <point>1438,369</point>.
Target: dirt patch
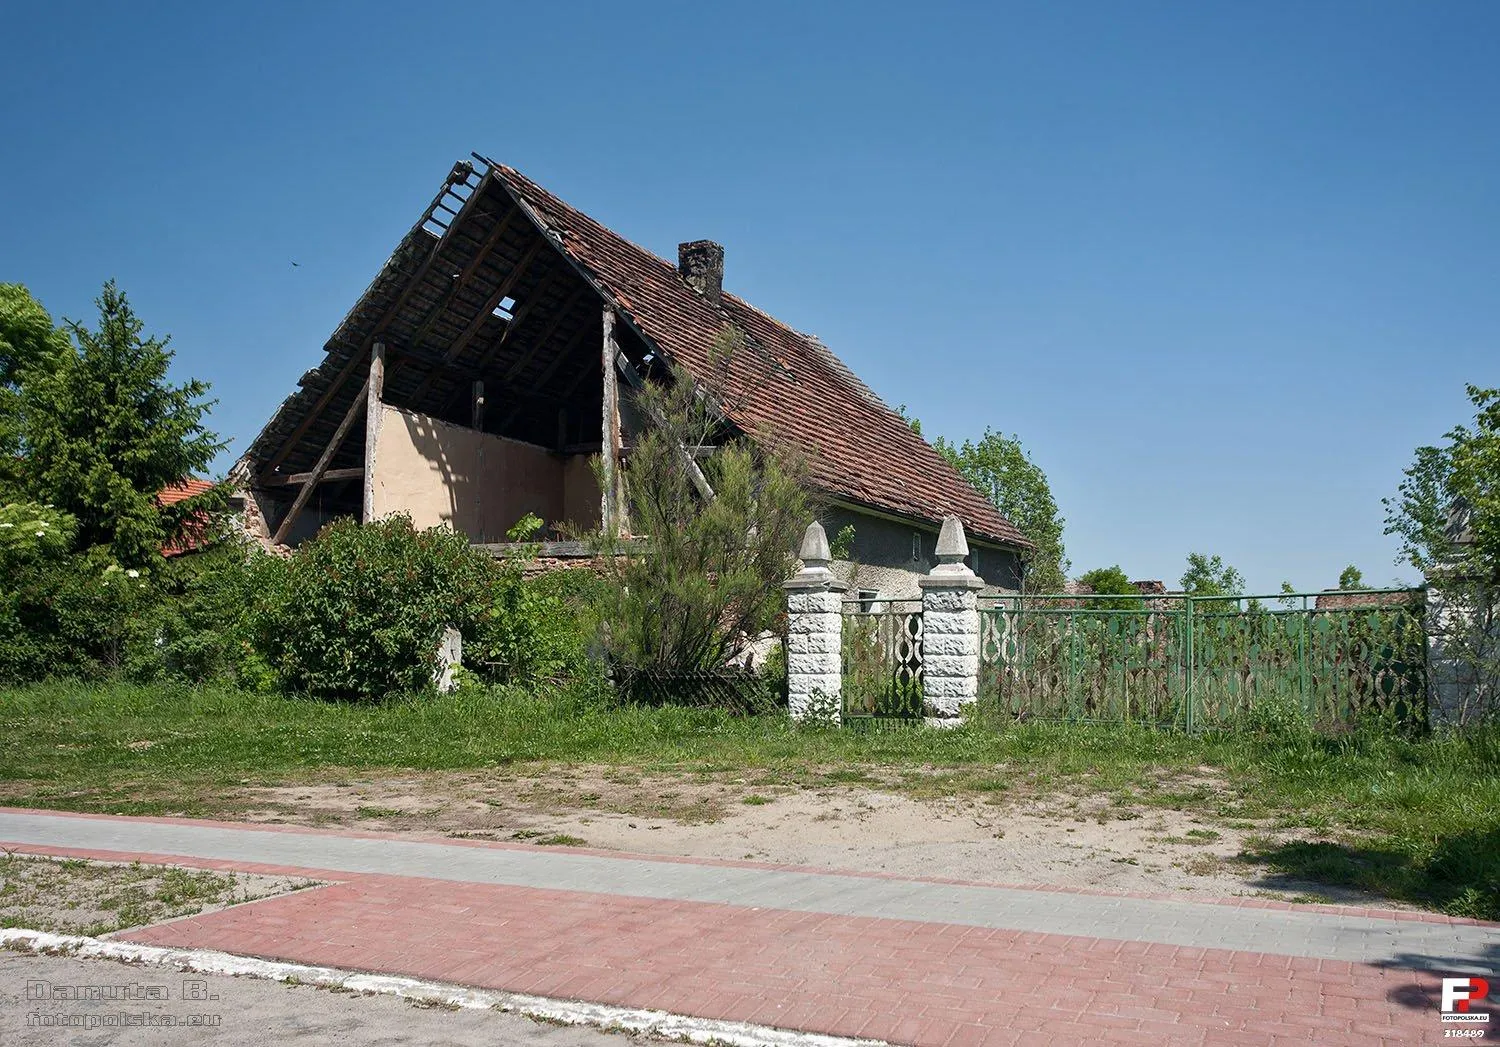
<point>1181,836</point>
<point>71,896</point>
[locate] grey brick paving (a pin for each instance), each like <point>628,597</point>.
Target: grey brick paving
<point>1354,938</point>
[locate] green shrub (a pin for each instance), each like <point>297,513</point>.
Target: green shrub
<point>545,627</point>
<point>710,580</point>
<point>360,610</point>
<point>69,615</point>
<point>199,627</point>
<point>31,533</point>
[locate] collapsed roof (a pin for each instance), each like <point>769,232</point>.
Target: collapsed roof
<point>502,282</point>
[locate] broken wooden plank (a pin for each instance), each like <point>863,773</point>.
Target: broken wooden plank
<point>328,477</point>
<point>316,476</point>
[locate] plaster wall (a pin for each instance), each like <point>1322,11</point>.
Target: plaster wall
<point>580,493</point>
<point>474,482</point>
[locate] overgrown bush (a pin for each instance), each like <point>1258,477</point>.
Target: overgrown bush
<point>360,611</point>
<point>710,580</point>
<point>198,628</point>
<point>69,616</point>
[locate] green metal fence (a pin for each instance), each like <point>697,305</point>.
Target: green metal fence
<point>1174,660</point>
<point>882,660</point>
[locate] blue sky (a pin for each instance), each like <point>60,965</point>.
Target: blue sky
<point>1220,266</point>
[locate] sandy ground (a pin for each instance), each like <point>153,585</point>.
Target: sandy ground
<point>1055,840</point>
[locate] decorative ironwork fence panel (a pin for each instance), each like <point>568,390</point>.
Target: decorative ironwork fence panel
<point>1174,660</point>
<point>882,660</point>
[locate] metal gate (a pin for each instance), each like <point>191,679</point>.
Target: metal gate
<point>1174,660</point>
<point>882,660</point>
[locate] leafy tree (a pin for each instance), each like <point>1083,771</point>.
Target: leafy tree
<point>1454,490</point>
<point>1107,581</point>
<point>28,340</point>
<point>999,467</point>
<point>102,431</point>
<point>713,576</point>
<point>1447,515</point>
<point>1209,576</point>
<point>1352,578</point>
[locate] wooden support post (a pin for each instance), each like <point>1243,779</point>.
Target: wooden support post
<point>477,421</point>
<point>322,467</point>
<point>373,388</point>
<point>610,444</point>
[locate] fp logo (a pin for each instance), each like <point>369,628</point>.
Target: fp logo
<point>1458,993</point>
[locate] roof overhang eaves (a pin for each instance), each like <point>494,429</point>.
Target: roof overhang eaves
<point>911,519</point>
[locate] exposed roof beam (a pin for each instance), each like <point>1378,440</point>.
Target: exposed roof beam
<point>316,476</point>
<point>488,309</point>
<point>361,351</point>
<point>329,475</point>
<point>542,339</point>
<point>489,245</point>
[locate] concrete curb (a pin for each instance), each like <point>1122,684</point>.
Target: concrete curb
<point>659,1024</point>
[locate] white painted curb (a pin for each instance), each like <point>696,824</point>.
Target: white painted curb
<point>658,1024</point>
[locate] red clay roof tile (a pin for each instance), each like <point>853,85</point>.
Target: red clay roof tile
<point>862,450</point>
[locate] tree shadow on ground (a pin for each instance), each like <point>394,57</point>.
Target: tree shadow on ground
<point>1458,875</point>
<point>1425,994</point>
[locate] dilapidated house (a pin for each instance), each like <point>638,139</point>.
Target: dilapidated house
<point>492,358</point>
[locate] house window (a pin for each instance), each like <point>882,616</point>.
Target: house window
<point>867,601</point>
<point>916,545</point>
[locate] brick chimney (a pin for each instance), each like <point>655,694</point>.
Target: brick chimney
<point>701,264</point>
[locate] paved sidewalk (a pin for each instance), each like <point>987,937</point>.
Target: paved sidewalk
<point>920,962</point>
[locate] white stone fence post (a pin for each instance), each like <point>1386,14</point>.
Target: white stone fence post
<point>814,633</point>
<point>950,626</point>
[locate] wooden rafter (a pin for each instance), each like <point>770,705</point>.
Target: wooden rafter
<point>386,315</point>
<point>546,335</point>
<point>485,312</point>
<point>316,476</point>
<point>490,243</point>
<point>527,307</point>
<point>329,475</point>
<point>506,286</point>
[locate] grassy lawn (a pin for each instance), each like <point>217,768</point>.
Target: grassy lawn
<point>1415,820</point>
<point>67,896</point>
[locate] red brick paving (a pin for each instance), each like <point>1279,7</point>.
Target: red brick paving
<point>906,982</point>
<point>934,985</point>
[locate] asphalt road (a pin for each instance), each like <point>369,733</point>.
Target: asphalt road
<point>250,1012</point>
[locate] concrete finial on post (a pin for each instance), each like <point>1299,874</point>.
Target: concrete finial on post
<point>950,625</point>
<point>814,641</point>
<point>815,551</point>
<point>952,543</point>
